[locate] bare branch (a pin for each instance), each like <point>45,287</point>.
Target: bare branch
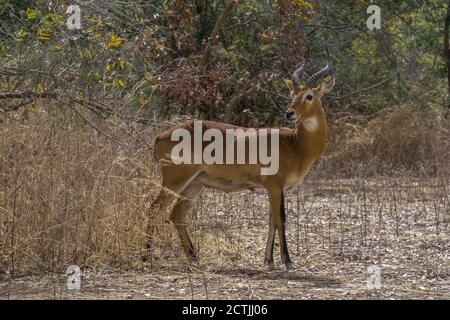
<point>232,104</point>
<point>229,4</point>
<point>362,90</point>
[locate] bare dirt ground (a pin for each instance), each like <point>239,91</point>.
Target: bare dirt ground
<point>336,230</point>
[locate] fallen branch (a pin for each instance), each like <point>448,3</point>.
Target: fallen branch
<point>99,108</point>
<point>27,94</point>
<point>16,106</point>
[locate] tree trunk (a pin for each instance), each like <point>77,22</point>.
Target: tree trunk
<point>229,4</point>
<point>447,56</point>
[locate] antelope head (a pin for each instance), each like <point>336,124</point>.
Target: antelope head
<point>306,99</point>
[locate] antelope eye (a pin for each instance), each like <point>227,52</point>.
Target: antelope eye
<point>309,97</point>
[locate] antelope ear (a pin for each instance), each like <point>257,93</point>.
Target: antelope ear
<point>327,85</point>
<point>290,85</point>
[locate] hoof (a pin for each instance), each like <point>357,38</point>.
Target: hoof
<point>191,253</point>
<point>270,265</point>
<point>191,263</point>
<point>146,257</point>
<point>290,266</point>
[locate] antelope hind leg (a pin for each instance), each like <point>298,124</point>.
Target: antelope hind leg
<point>178,217</point>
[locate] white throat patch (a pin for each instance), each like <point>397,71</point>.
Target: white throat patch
<point>310,124</point>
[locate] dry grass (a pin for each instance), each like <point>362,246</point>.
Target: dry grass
<point>69,195</point>
<point>408,140</point>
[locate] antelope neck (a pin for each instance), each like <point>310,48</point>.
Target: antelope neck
<point>312,134</point>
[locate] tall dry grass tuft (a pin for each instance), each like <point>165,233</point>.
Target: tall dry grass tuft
<point>69,195</point>
<point>408,140</point>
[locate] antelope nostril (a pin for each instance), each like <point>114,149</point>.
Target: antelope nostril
<point>289,114</point>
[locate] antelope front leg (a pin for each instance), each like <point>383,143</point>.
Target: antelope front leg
<point>282,234</point>
<point>270,240</point>
<point>276,198</point>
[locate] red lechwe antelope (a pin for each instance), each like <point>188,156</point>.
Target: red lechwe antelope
<point>298,149</point>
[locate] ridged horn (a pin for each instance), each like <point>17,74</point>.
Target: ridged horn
<point>298,73</point>
<point>324,70</point>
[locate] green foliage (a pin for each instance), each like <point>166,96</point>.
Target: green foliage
<point>148,55</point>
